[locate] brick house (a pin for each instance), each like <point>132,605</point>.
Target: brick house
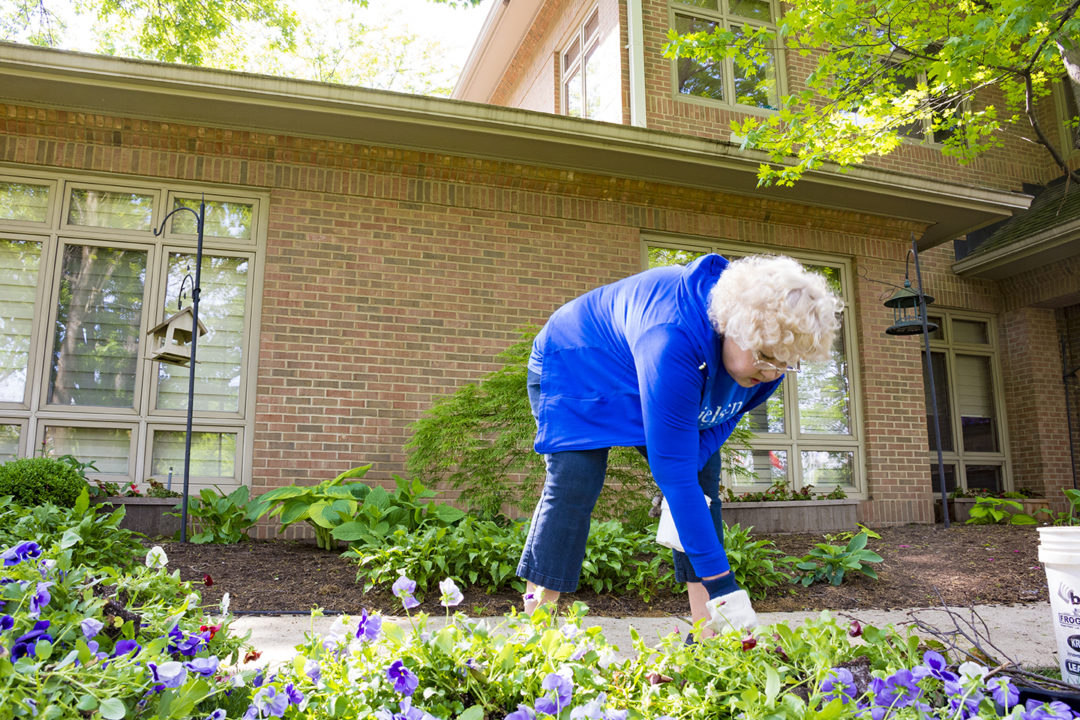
<point>366,252</point>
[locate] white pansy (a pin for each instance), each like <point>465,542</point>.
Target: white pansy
<point>156,557</point>
<point>973,670</point>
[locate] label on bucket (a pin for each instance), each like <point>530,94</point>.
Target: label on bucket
<point>1063,582</point>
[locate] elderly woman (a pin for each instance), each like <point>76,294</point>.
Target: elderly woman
<point>667,361</point>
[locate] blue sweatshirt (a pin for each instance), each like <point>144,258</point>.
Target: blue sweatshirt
<point>637,362</point>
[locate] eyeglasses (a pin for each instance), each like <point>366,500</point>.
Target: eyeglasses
<point>761,363</point>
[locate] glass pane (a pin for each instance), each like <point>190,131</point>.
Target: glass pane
<point>661,256</point>
<point>970,331</point>
<point>602,92</point>
<point>767,417</point>
<point>19,260</point>
<point>103,208</point>
<point>938,334</point>
<point>108,448</point>
<point>20,201</point>
<point>758,466</point>
<point>710,4</point>
<point>592,25</point>
<point>9,442</point>
<point>694,78</point>
<point>753,9</point>
<point>222,219</point>
<point>941,385</point>
<point>213,454</point>
<point>95,351</point>
<point>219,353</point>
<point>571,54</point>
<point>755,80</point>
<point>824,392</point>
<point>575,103</point>
<point>827,469</point>
<point>975,397</point>
<point>983,477</point>
<point>950,479</point>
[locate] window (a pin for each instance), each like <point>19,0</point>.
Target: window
<point>738,81</point>
<point>940,108</point>
<point>807,432</point>
<point>83,276</point>
<point>967,393</point>
<point>1067,101</point>
<point>590,73</point>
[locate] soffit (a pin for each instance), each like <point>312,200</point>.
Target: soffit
<point>174,93</point>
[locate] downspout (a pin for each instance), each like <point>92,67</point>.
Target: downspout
<point>635,47</point>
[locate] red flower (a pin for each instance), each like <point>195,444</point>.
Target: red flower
<point>212,629</point>
<point>207,580</point>
<point>252,655</point>
<point>855,630</point>
<point>749,643</point>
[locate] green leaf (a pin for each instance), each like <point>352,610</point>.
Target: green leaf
<point>772,685</point>
<point>476,712</point>
<point>112,709</point>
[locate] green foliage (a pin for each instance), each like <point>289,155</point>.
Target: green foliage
<point>781,490</point>
<point>39,480</point>
<point>755,562</point>
<point>827,562</point>
<point>221,518</point>
<point>83,538</point>
<point>991,510</point>
<point>324,506</point>
<point>878,68</point>
<point>407,508</point>
<point>479,440</point>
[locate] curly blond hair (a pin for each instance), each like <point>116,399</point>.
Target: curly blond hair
<point>773,305</point>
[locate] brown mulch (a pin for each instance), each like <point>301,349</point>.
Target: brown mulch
<point>923,566</point>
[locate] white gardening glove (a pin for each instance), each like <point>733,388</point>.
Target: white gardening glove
<point>731,611</point>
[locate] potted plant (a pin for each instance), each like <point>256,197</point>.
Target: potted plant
<point>779,509</point>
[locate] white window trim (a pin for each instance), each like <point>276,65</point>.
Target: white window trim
<point>32,415</point>
<point>677,8</point>
<point>791,440</point>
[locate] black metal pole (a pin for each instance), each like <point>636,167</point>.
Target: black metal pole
<point>1068,406</point>
<point>933,388</point>
<point>191,368</point>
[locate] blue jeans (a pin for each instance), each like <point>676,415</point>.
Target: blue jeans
<point>555,547</point>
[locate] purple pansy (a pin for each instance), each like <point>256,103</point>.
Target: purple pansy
<point>524,712</point>
<point>1004,692</point>
<point>839,684</point>
<point>124,647</point>
<point>404,588</point>
<point>896,691</point>
<point>23,551</point>
<point>25,644</point>
<point>6,623</point>
<point>592,710</point>
<point>312,670</point>
<point>368,627</point>
<point>295,696</point>
<point>40,599</point>
<point>91,627</point>
<point>934,665</point>
<point>168,674</point>
<point>561,690</point>
<point>206,666</point>
<point>268,702</point>
<point>405,682</point>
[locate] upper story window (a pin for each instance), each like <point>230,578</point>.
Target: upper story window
<point>1067,101</point>
<point>590,73</point>
<point>752,81</point>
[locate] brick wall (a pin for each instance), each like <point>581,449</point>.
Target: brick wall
<point>1068,319</point>
<point>394,276</point>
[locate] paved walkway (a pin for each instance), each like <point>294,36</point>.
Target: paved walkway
<point>1022,633</point>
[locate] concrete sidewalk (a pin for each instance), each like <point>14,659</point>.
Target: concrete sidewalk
<point>1022,633</point>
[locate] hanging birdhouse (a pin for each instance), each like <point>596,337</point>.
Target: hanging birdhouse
<point>170,341</point>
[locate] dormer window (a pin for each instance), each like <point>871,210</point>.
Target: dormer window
<point>590,73</point>
<point>738,81</point>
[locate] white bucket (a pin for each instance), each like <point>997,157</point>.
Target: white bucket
<point>1059,551</point>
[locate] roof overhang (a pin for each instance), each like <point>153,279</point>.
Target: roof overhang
<point>181,94</point>
<point>506,25</point>
<point>1039,250</point>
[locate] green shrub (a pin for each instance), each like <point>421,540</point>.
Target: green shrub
<point>754,562</point>
<point>40,480</point>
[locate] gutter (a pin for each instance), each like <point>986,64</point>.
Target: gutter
<point>42,77</point>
